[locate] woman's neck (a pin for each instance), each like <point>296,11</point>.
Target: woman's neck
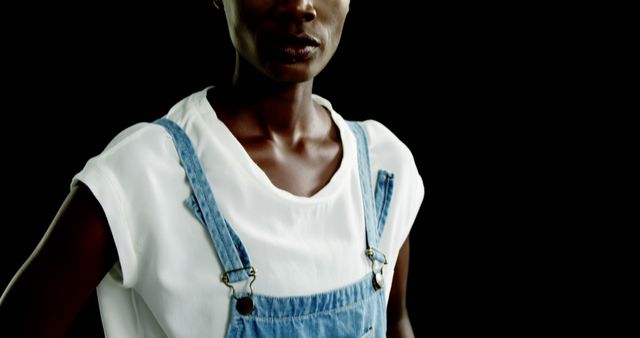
<point>285,109</point>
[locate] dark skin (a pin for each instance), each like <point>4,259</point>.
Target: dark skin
<point>71,259</point>
<point>268,107</point>
<point>299,159</point>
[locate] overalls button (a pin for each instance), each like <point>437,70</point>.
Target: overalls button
<point>244,305</point>
<point>378,281</point>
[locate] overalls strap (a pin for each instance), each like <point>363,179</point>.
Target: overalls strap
<point>231,252</point>
<point>383,191</point>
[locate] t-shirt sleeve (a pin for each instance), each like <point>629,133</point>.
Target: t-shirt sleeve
<point>109,176</point>
<point>105,187</point>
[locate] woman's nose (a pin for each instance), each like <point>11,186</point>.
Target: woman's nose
<point>296,10</point>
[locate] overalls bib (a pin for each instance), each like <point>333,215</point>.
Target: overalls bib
<point>353,311</point>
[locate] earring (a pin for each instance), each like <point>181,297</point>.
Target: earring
<point>218,4</point>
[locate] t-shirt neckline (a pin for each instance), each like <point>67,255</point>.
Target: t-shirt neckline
<point>328,191</point>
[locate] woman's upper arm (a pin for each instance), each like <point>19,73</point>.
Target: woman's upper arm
<point>69,262</point>
<point>398,324</point>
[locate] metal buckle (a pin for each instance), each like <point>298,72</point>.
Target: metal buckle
<point>252,273</point>
<point>371,254</point>
<point>378,279</point>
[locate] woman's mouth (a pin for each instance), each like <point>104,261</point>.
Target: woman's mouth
<point>295,48</point>
<point>297,53</point>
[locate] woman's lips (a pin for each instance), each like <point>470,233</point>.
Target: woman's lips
<point>297,53</point>
<point>294,48</point>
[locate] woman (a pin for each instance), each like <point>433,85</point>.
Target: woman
<point>251,209</point>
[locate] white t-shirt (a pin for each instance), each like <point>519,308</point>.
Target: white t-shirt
<point>167,282</point>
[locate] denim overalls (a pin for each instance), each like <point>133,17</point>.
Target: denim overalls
<point>354,311</point>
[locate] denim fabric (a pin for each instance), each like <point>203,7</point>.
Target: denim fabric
<point>368,198</point>
<point>364,169</point>
<point>354,311</point>
<point>384,191</point>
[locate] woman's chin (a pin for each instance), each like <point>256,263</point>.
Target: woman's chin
<point>292,72</point>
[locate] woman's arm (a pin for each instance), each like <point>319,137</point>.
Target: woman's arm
<point>51,287</point>
<point>398,324</point>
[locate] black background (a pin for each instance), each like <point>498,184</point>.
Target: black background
<point>464,87</point>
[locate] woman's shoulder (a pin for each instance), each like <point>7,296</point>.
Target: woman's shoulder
<point>380,139</point>
<point>144,137</point>
<point>135,140</point>
<point>384,142</point>
<point>388,152</point>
